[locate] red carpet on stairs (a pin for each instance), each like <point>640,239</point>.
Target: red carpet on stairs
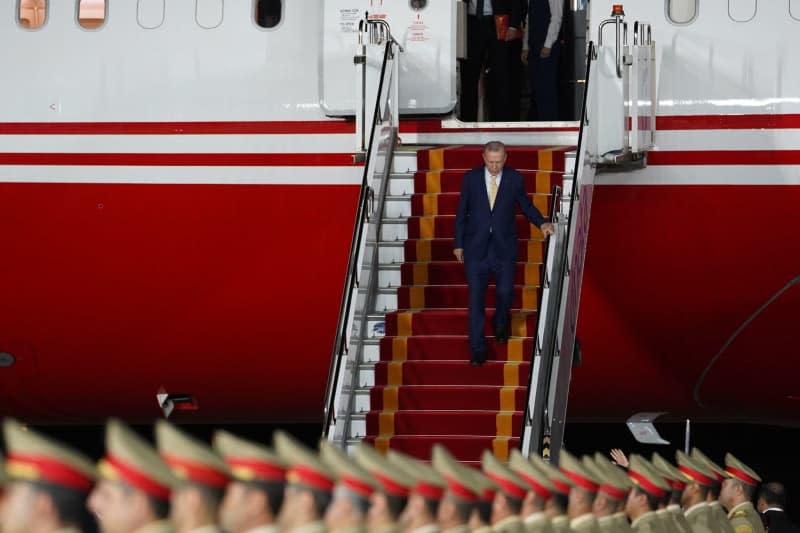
<point>425,389</point>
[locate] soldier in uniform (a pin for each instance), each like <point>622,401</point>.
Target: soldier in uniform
<point>694,499</point>
<point>135,485</point>
<point>581,498</point>
<point>47,484</point>
<point>614,488</point>
<point>394,485</point>
<point>422,509</point>
<point>737,496</point>
<point>556,507</point>
<point>671,511</point>
<point>539,491</point>
<point>511,490</point>
<point>309,486</point>
<point>203,476</point>
<point>352,493</point>
<point>254,495</point>
<point>481,519</point>
<point>461,495</point>
<point>649,488</point>
<point>719,514</point>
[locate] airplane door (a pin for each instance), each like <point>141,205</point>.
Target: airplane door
<point>427,31</point>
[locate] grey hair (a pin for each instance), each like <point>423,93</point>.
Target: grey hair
<point>494,146</point>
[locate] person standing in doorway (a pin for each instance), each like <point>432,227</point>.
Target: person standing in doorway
<point>541,50</point>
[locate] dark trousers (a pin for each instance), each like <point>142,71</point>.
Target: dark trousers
<point>483,50</point>
<point>478,281</point>
<point>544,82</point>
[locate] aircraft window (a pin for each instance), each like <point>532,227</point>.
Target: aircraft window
<point>91,13</point>
<point>208,13</point>
<point>681,11</point>
<point>268,12</point>
<point>150,13</point>
<point>742,10</point>
<point>794,9</point>
<point>32,13</point>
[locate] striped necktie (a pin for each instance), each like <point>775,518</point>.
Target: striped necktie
<point>492,191</point>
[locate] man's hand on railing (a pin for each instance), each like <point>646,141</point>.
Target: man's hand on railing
<point>548,229</point>
<point>459,253</point>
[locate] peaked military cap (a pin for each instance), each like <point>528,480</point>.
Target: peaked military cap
<point>536,479</point>
<point>719,473</point>
<point>392,480</point>
<point>613,482</point>
<point>645,476</point>
<point>249,461</point>
<point>190,459</point>
<point>561,483</point>
<point>349,474</point>
<point>572,467</point>
<point>304,467</point>
<point>506,480</point>
<point>133,461</point>
<point>694,471</point>
<point>32,456</point>
<point>485,487</point>
<point>427,481</point>
<point>459,483</point>
<point>738,470</point>
<point>671,474</point>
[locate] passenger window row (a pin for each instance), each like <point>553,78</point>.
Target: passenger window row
<point>91,14</point>
<point>685,11</point>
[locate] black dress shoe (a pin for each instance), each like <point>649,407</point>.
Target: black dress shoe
<point>478,358</point>
<point>501,334</point>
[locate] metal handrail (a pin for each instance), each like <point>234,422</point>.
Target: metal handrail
<point>351,282</point>
<point>621,39</point>
<point>545,345</point>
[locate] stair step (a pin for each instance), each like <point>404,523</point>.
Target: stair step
<point>447,397</point>
<point>397,206</point>
<point>498,373</point>
<point>540,181</point>
<point>462,447</point>
<point>519,157</point>
<point>441,249</point>
<point>430,204</point>
<point>431,227</point>
<point>457,296</point>
<point>430,422</point>
<point>447,272</point>
<point>394,229</point>
<point>453,348</point>
<point>451,322</point>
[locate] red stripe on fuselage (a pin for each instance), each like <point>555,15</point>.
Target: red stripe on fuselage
<point>287,127</point>
<point>198,159</point>
<point>724,157</point>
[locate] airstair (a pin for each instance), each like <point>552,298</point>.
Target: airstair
<point>400,375</point>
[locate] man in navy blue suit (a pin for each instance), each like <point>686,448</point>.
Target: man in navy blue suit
<point>486,240</point>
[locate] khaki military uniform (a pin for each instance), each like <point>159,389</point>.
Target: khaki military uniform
<point>265,529</point>
<point>649,523</point>
<point>482,529</point>
<point>700,520</point>
<point>585,524</point>
<point>69,530</point>
<point>560,524</point>
<point>389,528</point>
<point>677,515</point>
<point>623,524</point>
<point>613,524</point>
<point>457,529</point>
<point>206,529</point>
<point>719,516</point>
<point>511,524</point>
<point>745,519</point>
<point>162,526</point>
<point>429,528</point>
<point>537,523</point>
<point>312,527</point>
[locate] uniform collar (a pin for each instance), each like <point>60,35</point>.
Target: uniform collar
<point>535,518</point>
<point>582,519</point>
<point>427,528</point>
<point>507,520</point>
<point>742,506</point>
<point>265,529</point>
<point>161,526</point>
<point>696,507</point>
<point>646,517</point>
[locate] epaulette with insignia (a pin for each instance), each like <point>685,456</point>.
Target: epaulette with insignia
<point>739,514</point>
